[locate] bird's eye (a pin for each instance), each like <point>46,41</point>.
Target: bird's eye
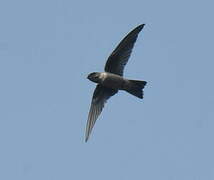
<point>95,75</point>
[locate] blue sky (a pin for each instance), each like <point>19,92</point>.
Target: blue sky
<point>47,48</point>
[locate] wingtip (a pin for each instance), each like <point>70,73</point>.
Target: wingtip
<point>86,138</point>
<point>141,26</point>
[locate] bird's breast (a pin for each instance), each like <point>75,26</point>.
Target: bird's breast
<point>113,81</point>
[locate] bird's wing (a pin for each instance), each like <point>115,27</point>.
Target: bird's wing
<point>100,96</point>
<point>119,57</point>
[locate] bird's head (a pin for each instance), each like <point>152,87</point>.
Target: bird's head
<point>94,77</point>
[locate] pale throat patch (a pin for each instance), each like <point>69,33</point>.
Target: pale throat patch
<point>103,75</point>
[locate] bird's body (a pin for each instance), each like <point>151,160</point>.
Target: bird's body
<point>112,80</point>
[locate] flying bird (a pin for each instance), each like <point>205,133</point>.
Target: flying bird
<point>112,80</point>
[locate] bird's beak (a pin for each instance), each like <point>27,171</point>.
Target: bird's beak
<point>88,76</point>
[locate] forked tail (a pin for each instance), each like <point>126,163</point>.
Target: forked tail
<point>136,88</point>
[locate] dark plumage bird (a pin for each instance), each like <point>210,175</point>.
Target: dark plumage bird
<point>112,80</point>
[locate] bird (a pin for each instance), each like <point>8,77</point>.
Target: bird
<point>111,80</point>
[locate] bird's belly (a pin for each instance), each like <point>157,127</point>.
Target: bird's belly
<point>113,82</point>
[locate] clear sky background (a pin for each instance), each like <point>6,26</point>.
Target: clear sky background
<point>47,48</point>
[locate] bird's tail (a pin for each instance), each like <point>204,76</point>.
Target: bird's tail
<point>136,88</point>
